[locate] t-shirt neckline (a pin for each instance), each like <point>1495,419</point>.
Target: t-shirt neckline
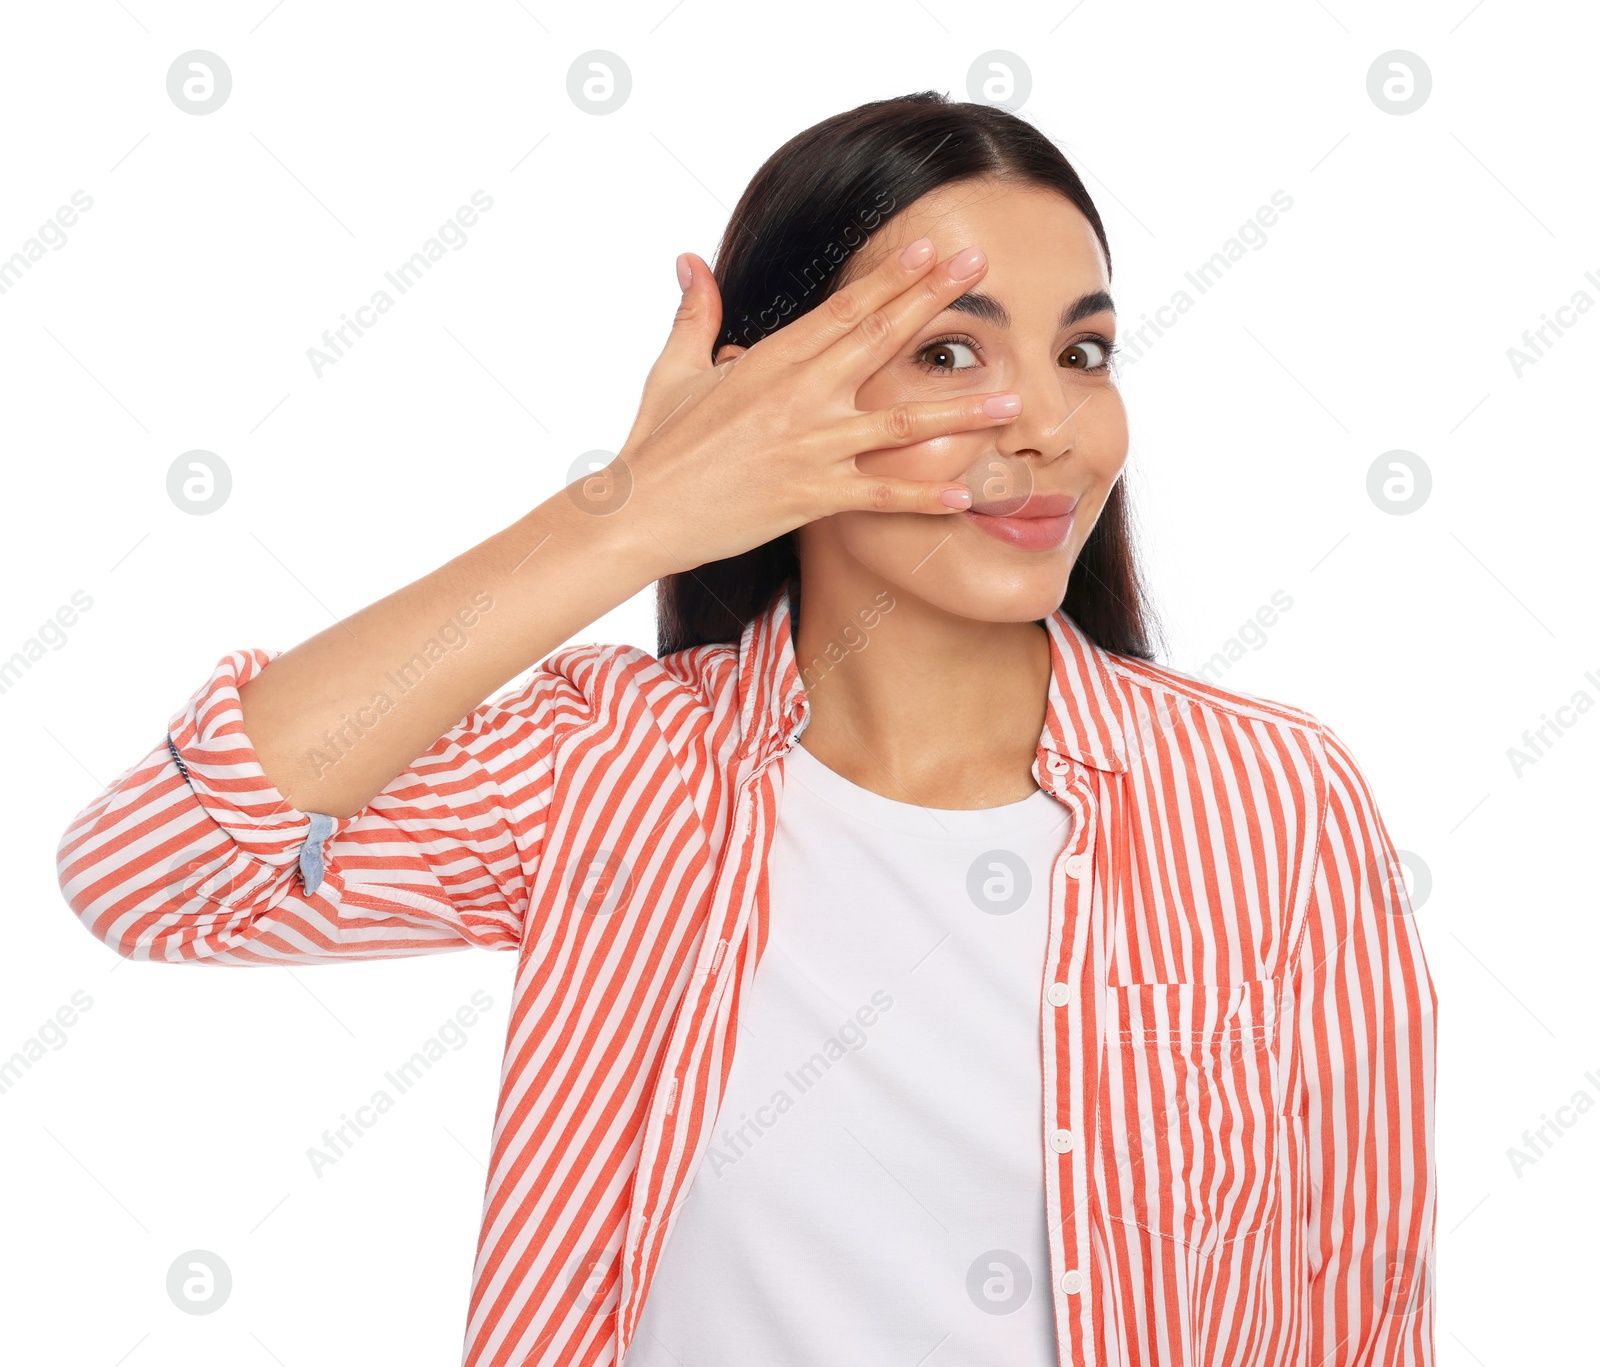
<point>1039,811</point>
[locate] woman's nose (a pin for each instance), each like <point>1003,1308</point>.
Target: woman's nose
<point>1046,429</point>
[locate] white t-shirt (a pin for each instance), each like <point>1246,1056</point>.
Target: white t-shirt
<point>875,1188</point>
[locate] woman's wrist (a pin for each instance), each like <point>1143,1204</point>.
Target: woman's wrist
<point>585,534</point>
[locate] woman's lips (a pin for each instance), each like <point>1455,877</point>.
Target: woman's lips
<point>1043,523</point>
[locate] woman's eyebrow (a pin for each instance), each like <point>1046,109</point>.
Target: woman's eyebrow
<point>990,309</point>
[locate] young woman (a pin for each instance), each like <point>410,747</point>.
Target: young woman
<point>908,967</point>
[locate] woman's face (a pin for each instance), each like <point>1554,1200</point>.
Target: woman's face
<point>1040,323</point>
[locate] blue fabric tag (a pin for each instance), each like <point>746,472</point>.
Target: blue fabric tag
<point>311,864</point>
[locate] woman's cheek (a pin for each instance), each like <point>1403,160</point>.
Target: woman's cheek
<point>1102,412</point>
<point>1105,441</point>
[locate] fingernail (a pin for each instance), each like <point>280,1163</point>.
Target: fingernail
<point>966,263</point>
<point>960,497</point>
<point>685,272</point>
<point>918,252</point>
<point>1003,405</point>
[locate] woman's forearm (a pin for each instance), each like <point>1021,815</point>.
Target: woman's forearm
<point>337,717</point>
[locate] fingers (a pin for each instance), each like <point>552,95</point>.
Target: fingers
<point>882,494</point>
<point>904,424</point>
<point>698,320</point>
<point>686,357</point>
<point>862,324</point>
<point>880,334</point>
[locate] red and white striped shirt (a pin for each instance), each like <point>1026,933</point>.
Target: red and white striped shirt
<point>1236,1018</point>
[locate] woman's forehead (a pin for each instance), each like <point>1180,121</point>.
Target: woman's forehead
<point>1036,239</point>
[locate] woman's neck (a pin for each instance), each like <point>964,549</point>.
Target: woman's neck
<point>915,703</point>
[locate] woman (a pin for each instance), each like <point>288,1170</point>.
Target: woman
<point>1079,1012</point>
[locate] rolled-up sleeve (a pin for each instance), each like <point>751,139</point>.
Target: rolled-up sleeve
<point>193,855</point>
<point>1367,1037</point>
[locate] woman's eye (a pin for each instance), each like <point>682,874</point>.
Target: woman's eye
<point>1089,354</point>
<point>946,356</point>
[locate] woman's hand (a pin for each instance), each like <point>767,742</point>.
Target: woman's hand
<point>725,457</point>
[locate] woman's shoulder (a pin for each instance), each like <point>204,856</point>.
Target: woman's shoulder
<point>1158,696</point>
<point>1151,677</point>
<point>1229,735</point>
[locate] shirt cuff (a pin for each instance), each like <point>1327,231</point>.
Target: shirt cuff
<point>212,751</point>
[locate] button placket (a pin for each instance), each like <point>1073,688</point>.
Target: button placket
<point>1074,884</point>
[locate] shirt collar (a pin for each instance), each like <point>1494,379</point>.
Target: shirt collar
<point>1081,712</point>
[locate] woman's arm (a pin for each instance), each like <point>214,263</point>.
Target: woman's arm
<point>436,649</point>
<point>1367,1033</point>
<point>356,796</point>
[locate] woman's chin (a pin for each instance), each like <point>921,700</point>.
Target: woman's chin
<point>1000,596</point>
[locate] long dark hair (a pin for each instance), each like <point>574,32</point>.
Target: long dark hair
<point>818,199</point>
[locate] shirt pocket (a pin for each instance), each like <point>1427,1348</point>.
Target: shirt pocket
<point>1190,1118</point>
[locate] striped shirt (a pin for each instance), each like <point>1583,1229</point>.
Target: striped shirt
<point>1236,1018</point>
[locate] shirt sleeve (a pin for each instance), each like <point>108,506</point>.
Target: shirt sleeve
<point>194,856</point>
<point>1367,1034</point>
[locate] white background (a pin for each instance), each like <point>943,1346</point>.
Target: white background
<point>1377,316</point>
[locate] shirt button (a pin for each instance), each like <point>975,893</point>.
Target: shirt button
<point>1057,993</point>
<point>1077,865</point>
<point>1072,1282</point>
<point>1061,1140</point>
